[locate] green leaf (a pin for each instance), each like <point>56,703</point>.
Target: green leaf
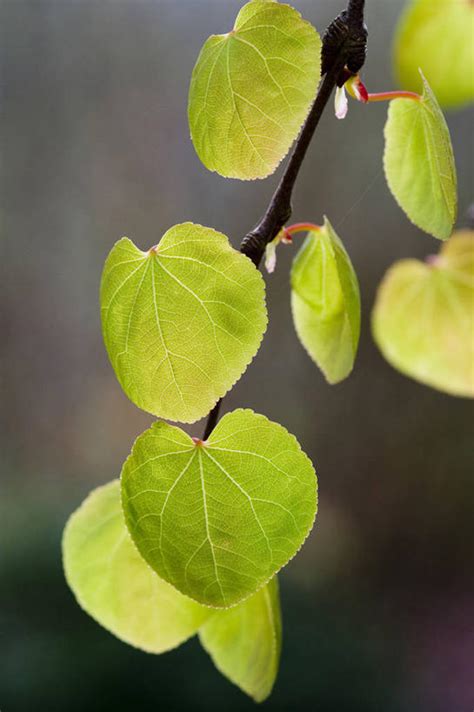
<point>419,163</point>
<point>326,303</point>
<point>437,36</point>
<point>115,586</point>
<point>182,321</point>
<point>217,519</point>
<point>251,90</point>
<point>244,642</point>
<point>423,317</point>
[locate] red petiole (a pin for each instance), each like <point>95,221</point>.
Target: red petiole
<point>299,227</point>
<point>389,95</point>
<point>358,90</point>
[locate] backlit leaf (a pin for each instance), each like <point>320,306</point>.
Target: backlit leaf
<point>115,586</point>
<point>438,37</point>
<point>244,642</point>
<point>326,303</point>
<point>419,163</point>
<point>251,90</point>
<point>182,321</point>
<point>218,519</point>
<point>423,320</point>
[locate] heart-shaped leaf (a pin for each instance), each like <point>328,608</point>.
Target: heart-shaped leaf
<point>217,519</point>
<point>182,321</point>
<point>251,90</point>
<point>115,586</point>
<point>437,36</point>
<point>423,317</point>
<point>419,163</point>
<point>326,303</point>
<point>244,642</point>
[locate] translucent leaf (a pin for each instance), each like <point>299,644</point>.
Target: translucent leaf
<point>182,321</point>
<point>115,586</point>
<point>437,36</point>
<point>423,320</point>
<point>419,163</point>
<point>218,519</point>
<point>326,303</point>
<point>244,642</point>
<point>251,90</point>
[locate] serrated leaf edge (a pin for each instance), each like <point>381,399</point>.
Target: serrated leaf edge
<point>276,165</point>
<point>310,528</point>
<point>262,284</point>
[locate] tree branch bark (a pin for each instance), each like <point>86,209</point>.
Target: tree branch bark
<point>343,54</point>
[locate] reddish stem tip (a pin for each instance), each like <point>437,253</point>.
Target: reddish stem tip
<point>301,227</point>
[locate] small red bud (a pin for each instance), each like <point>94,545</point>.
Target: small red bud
<point>363,93</point>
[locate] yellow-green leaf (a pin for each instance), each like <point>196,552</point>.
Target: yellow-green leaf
<point>217,519</point>
<point>182,321</point>
<point>326,303</point>
<point>437,35</point>
<point>244,642</point>
<point>419,163</point>
<point>251,90</point>
<point>115,586</point>
<point>423,319</point>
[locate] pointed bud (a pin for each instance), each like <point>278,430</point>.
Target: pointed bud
<point>357,89</point>
<point>286,237</point>
<point>340,103</point>
<point>270,256</point>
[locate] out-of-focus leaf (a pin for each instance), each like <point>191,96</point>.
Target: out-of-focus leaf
<point>115,586</point>
<point>244,642</point>
<point>423,320</point>
<point>437,35</point>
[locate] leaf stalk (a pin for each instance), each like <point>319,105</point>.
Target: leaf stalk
<point>389,95</point>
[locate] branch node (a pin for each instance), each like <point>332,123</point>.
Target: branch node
<point>254,243</point>
<point>346,34</point>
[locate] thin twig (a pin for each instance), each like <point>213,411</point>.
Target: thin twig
<point>279,209</point>
<point>212,420</point>
<point>343,54</point>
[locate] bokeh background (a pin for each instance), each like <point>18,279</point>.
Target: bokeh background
<point>378,606</point>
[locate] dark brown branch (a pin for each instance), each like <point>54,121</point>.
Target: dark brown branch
<point>212,420</point>
<point>344,45</point>
<point>355,12</point>
<point>343,54</point>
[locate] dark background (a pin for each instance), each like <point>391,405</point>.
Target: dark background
<point>378,605</point>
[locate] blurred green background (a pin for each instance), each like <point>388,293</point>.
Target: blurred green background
<point>378,606</point>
